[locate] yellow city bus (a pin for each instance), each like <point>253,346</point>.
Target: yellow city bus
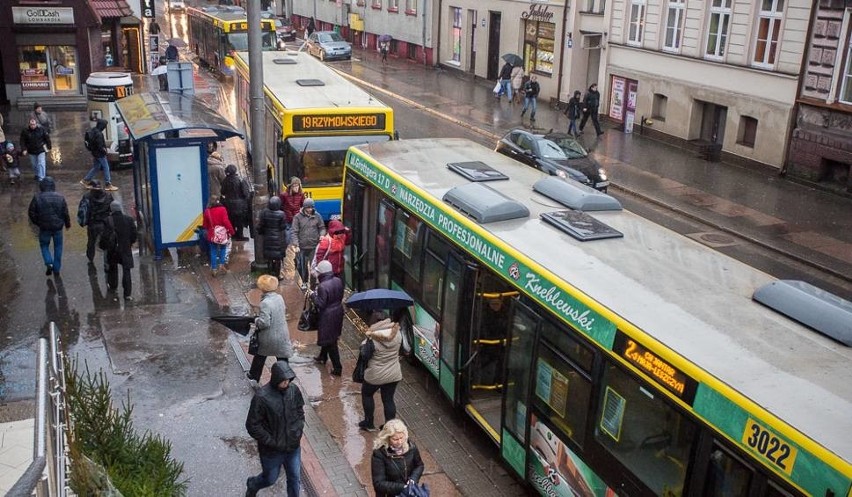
<point>312,116</point>
<point>604,354</point>
<point>216,32</point>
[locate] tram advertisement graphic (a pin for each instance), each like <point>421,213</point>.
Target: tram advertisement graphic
<point>556,471</point>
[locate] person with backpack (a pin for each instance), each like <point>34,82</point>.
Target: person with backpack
<point>118,239</point>
<point>219,231</point>
<point>92,213</point>
<point>236,195</point>
<point>331,246</point>
<point>96,144</point>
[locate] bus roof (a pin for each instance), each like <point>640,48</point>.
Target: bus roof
<point>282,72</point>
<point>227,17</point>
<point>695,301</point>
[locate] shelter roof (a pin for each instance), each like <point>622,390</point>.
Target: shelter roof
<point>149,114</point>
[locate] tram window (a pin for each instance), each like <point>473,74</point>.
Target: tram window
<point>522,340</point>
<point>726,476</point>
<point>562,393</point>
<point>433,282</point>
<point>576,351</point>
<point>644,432</point>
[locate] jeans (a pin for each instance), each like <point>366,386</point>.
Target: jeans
<point>39,163</point>
<point>100,163</point>
<point>505,87</point>
<point>271,463</point>
<point>572,127</point>
<point>530,102</point>
<point>217,254</point>
<point>44,238</point>
<point>367,392</point>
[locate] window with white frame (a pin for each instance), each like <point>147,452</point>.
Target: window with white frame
<point>637,22</point>
<point>674,25</point>
<point>768,30</point>
<point>846,86</point>
<point>411,6</point>
<point>393,4</point>
<point>717,31</point>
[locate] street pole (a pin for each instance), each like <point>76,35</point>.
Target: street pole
<point>258,161</point>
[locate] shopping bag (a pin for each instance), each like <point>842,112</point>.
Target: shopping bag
<point>497,87</point>
<point>310,316</point>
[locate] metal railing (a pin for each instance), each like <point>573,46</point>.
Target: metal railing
<point>47,474</point>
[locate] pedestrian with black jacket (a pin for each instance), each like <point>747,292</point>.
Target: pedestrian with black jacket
<point>574,111</point>
<point>96,143</point>
<point>92,212</point>
<point>272,225</point>
<point>328,298</point>
<point>505,81</point>
<point>396,461</point>
<point>35,142</point>
<point>591,104</point>
<point>531,91</point>
<point>236,194</point>
<point>276,420</point>
<point>119,250</point>
<point>49,212</point>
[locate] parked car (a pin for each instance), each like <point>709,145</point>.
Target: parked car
<point>284,32</point>
<point>175,5</point>
<point>558,154</point>
<point>328,45</point>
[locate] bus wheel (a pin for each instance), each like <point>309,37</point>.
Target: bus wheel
<point>406,327</point>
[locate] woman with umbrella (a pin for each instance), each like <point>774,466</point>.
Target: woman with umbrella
<point>384,47</point>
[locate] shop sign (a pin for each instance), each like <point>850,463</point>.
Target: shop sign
<point>42,15</point>
<point>148,10</point>
<point>616,98</point>
<point>538,12</point>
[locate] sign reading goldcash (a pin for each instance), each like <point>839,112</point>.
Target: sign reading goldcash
<point>474,239</point>
<point>42,15</point>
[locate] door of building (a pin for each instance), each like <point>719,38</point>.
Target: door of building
<point>713,122</point>
<point>493,44</point>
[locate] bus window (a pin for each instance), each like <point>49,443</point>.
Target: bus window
<point>408,242</point>
<point>562,393</point>
<point>384,243</point>
<point>577,352</point>
<point>644,432</point>
<point>433,272</point>
<point>727,476</point>
<point>522,341</point>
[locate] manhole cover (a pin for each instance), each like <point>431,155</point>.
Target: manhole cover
<point>714,239</point>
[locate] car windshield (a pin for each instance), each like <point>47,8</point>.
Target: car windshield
<point>550,150</point>
<point>571,147</point>
<point>329,37</point>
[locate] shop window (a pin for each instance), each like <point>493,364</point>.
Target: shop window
<point>674,25</point>
<point>539,41</point>
<point>768,29</point>
<point>658,111</point>
<point>637,22</point>
<point>48,69</point>
<point>747,132</point>
<point>457,33</point>
<point>717,30</point>
<point>640,429</point>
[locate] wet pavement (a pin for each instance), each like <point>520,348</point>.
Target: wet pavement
<point>185,374</point>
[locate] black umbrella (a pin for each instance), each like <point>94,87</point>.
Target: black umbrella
<point>379,298</point>
<point>238,324</point>
<point>177,42</point>
<point>513,59</point>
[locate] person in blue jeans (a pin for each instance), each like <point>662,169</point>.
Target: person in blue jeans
<point>276,419</point>
<point>35,142</point>
<point>49,212</point>
<point>531,90</point>
<point>96,143</point>
<point>505,79</point>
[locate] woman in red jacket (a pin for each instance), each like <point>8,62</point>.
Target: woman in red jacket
<point>219,230</point>
<point>331,246</point>
<point>292,199</point>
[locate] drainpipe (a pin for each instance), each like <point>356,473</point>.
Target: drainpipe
<point>563,48</point>
<point>425,6</point>
<point>437,50</point>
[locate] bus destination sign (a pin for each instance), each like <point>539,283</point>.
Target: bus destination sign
<point>338,122</point>
<point>673,379</point>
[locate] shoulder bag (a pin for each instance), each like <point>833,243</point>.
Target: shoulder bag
<point>365,353</point>
<point>310,315</point>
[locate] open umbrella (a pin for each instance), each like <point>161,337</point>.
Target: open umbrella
<point>161,69</point>
<point>385,38</point>
<point>177,42</point>
<point>238,324</point>
<point>379,298</point>
<point>513,59</point>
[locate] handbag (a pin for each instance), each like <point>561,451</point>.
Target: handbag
<point>365,353</point>
<point>310,315</point>
<point>253,344</point>
<point>415,490</point>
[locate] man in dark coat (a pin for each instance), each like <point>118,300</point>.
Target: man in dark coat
<point>120,253</point>
<point>276,420</point>
<point>236,194</point>
<point>97,146</point>
<point>574,111</point>
<point>92,213</point>
<point>591,103</point>
<point>328,298</point>
<point>35,142</point>
<point>272,225</point>
<point>505,81</point>
<point>49,212</point>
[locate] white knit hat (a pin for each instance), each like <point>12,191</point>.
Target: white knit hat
<point>324,267</point>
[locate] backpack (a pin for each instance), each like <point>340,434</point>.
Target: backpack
<point>220,235</point>
<point>89,139</point>
<point>109,238</point>
<point>83,211</point>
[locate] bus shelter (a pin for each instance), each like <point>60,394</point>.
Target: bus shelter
<point>170,133</point>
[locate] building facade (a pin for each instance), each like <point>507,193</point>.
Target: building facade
<point>53,47</point>
<point>722,73</point>
<point>821,141</point>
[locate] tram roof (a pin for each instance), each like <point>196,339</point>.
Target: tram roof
<point>149,114</point>
<point>282,81</point>
<point>694,300</point>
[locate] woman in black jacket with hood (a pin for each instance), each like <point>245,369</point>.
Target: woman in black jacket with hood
<point>273,226</point>
<point>396,461</point>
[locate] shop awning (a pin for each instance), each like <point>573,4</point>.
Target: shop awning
<point>149,114</point>
<point>109,9</point>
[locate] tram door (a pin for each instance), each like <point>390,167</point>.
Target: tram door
<point>484,378</point>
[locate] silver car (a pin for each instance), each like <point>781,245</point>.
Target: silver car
<point>329,45</point>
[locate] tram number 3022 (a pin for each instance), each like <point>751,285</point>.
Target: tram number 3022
<point>770,446</point>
